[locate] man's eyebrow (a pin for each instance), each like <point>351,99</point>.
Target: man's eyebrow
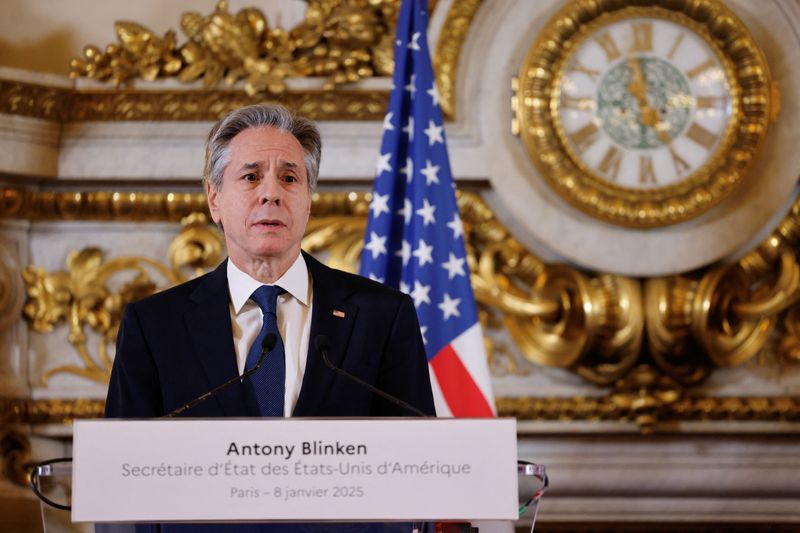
<point>256,165</point>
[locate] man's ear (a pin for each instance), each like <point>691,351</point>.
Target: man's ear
<point>213,206</point>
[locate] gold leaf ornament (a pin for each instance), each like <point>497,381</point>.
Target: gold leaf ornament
<point>343,40</point>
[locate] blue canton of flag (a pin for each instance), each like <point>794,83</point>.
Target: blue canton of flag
<point>414,239</point>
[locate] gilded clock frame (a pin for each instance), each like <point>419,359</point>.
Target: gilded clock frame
<point>541,132</point>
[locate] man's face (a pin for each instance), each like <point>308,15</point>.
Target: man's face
<point>264,201</point>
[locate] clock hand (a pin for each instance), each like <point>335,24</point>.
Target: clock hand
<point>638,88</point>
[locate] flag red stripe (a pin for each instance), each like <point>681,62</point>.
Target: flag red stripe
<point>462,395</point>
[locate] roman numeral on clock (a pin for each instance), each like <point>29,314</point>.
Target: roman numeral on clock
<point>675,46</point>
<point>642,37</point>
<point>577,66</point>
<point>611,162</point>
<point>710,102</point>
<point>702,67</point>
<point>701,136</point>
<point>584,137</point>
<point>608,45</point>
<point>681,166</point>
<point>646,172</point>
<point>573,102</point>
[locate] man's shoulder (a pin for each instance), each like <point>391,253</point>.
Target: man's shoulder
<point>353,282</point>
<point>177,295</point>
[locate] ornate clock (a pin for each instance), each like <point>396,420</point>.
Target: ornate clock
<point>644,115</point>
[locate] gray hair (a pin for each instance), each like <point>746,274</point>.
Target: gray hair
<point>260,116</point>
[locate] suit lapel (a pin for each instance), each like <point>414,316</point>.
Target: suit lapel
<point>209,325</point>
<point>333,317</point>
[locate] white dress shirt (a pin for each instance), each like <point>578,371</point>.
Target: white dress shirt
<point>294,321</point>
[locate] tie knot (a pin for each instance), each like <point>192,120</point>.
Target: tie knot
<point>266,297</point>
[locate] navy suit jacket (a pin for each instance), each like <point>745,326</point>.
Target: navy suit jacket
<point>178,344</point>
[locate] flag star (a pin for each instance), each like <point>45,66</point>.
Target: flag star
<point>449,306</point>
<point>434,92</point>
<point>404,252</point>
<point>426,212</point>
<point>387,121</point>
<point>424,253</point>
<point>404,287</point>
<point>431,172</point>
<point>407,210</point>
<point>379,204</point>
<point>456,226</point>
<point>410,129</point>
<point>383,164</point>
<point>414,44</point>
<point>408,170</point>
<point>412,85</point>
<point>423,330</point>
<point>434,133</point>
<point>376,245</point>
<point>374,277</point>
<point>420,293</point>
<point>454,266</point>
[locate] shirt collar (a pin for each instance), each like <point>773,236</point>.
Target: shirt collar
<point>294,281</point>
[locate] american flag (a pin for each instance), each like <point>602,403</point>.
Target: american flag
<point>414,239</point>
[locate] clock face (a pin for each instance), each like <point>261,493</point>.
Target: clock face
<point>643,103</point>
<point>644,116</point>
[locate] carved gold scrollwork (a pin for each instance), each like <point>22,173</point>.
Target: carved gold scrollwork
<point>558,316</point>
<point>337,228</point>
<point>669,334</point>
<point>337,28</point>
<point>789,345</point>
<point>448,49</point>
<point>592,324</point>
<point>562,340</point>
<point>82,296</point>
<point>728,314</point>
<point>198,246</point>
<point>342,41</point>
<point>617,302</point>
<point>729,338</point>
<point>15,454</point>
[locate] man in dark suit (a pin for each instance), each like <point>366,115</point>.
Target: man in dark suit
<point>261,169</point>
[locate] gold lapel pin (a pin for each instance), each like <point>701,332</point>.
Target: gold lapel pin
<point>338,313</point>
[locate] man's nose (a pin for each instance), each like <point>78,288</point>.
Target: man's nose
<point>270,190</point>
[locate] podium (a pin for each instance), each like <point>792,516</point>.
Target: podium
<point>404,473</point>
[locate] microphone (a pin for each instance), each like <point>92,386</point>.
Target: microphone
<point>267,344</point>
<point>321,344</point>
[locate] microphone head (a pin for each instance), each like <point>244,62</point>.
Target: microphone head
<point>321,342</point>
<point>268,342</point>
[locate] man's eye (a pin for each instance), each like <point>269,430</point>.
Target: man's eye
<point>250,177</point>
<point>289,178</point>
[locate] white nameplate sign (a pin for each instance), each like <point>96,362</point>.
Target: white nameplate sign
<point>226,470</point>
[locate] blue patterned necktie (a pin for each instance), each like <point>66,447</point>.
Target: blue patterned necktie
<point>265,387</point>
